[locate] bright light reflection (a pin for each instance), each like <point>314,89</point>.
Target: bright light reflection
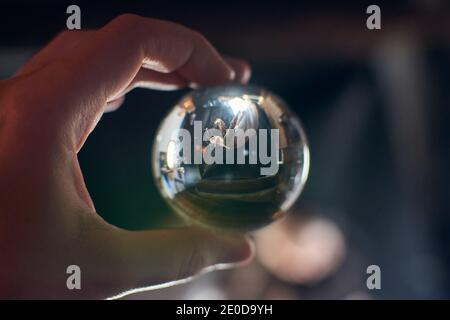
<point>238,104</point>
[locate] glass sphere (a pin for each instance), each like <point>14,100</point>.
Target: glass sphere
<point>230,157</point>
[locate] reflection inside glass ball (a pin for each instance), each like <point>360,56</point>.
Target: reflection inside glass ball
<point>230,157</point>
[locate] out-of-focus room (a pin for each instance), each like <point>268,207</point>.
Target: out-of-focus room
<point>375,108</point>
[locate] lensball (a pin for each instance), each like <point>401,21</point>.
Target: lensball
<point>230,157</point>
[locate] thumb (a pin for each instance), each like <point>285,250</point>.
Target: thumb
<point>149,260</point>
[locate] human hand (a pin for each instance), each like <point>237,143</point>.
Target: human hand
<point>47,111</point>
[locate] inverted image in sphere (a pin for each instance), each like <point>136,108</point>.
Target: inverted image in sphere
<point>230,157</point>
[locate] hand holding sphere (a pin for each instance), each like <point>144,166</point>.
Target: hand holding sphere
<point>52,104</point>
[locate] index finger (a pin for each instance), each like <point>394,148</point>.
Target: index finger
<point>114,54</point>
<point>105,63</point>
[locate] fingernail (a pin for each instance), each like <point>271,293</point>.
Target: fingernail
<point>232,74</point>
<point>246,75</point>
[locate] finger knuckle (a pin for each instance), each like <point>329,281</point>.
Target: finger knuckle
<point>127,19</point>
<point>198,36</point>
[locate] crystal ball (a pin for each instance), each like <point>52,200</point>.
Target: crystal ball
<point>231,157</point>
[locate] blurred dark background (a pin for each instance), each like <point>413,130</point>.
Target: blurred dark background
<point>375,106</point>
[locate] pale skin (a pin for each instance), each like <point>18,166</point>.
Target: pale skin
<point>47,110</point>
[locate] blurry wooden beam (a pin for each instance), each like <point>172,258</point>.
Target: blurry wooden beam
<point>306,37</point>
